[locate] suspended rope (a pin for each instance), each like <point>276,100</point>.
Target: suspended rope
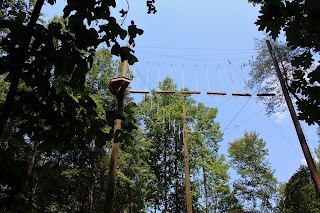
<point>145,91</point>
<point>163,91</point>
<point>220,78</point>
<point>213,92</point>
<point>188,91</point>
<point>235,93</point>
<point>205,67</point>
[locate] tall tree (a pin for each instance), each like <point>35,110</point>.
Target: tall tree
<point>297,20</point>
<point>47,106</point>
<point>298,194</point>
<point>263,75</point>
<point>256,186</point>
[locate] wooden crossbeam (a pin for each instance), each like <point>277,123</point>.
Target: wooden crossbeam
<point>265,94</point>
<point>190,92</point>
<point>139,91</point>
<point>216,93</point>
<point>240,94</point>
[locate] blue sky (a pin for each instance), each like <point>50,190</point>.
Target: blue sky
<point>204,37</point>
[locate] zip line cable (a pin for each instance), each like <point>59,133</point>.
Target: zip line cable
<point>179,64</point>
<point>205,54</point>
<point>237,113</point>
<point>236,126</point>
<point>199,48</point>
<point>200,59</point>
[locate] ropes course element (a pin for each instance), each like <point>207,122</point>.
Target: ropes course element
<point>163,91</point>
<point>137,91</point>
<point>209,90</point>
<point>236,93</point>
<point>189,92</point>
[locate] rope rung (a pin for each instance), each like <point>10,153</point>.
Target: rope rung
<point>265,94</point>
<point>190,92</point>
<point>139,91</point>
<point>240,94</point>
<point>216,93</point>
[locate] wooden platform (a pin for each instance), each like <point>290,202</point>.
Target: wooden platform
<point>216,93</point>
<point>118,85</point>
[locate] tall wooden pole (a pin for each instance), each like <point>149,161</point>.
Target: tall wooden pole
<point>306,151</point>
<point>117,87</point>
<point>186,160</point>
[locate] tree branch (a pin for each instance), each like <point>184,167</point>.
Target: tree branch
<point>8,104</point>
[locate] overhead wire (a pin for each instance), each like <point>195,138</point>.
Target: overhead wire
<point>200,59</point>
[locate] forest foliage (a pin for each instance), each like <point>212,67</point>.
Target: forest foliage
<point>57,119</point>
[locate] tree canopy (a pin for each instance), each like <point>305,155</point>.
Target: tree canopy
<point>298,20</point>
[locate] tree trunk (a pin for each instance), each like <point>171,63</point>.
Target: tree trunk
<point>23,55</point>
<point>33,157</point>
<point>73,204</point>
<point>90,197</point>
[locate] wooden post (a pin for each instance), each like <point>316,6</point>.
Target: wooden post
<point>313,170</point>
<point>186,160</point>
<point>205,189</point>
<point>117,87</point>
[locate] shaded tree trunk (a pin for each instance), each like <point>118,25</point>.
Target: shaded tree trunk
<point>73,204</point>
<point>22,57</point>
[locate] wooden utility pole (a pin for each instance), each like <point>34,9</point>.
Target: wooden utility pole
<point>306,151</point>
<point>186,160</point>
<point>117,87</point>
<point>205,189</point>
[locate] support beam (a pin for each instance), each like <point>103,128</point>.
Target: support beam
<point>306,151</point>
<point>186,160</point>
<point>117,87</point>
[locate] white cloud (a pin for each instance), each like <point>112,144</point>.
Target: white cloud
<point>280,116</point>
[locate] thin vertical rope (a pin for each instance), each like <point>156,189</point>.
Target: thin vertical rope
<point>244,79</point>
<point>205,67</point>
<point>220,77</point>
<point>171,77</point>
<point>164,121</point>
<point>138,81</point>
<point>158,88</point>
<point>195,70</point>
<point>146,85</point>
<point>231,76</point>
<point>134,76</point>
<point>158,76</point>
<point>182,78</point>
